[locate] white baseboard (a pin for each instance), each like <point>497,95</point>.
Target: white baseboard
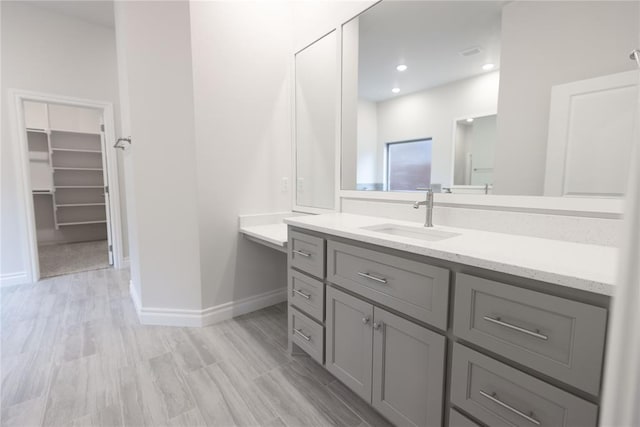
<point>134,297</point>
<point>232,309</point>
<point>12,279</point>
<point>126,263</point>
<point>208,316</point>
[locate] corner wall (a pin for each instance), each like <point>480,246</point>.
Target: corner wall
<point>241,61</point>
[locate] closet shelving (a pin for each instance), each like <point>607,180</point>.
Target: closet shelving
<point>66,159</point>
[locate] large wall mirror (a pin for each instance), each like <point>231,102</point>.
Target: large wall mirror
<point>501,97</point>
<point>316,86</point>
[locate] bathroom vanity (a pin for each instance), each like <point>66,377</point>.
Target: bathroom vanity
<point>452,327</point>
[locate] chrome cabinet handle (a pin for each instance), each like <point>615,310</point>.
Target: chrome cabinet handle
<point>299,332</point>
<point>302,294</point>
<point>497,321</point>
<point>304,254</point>
<point>493,397</point>
<point>377,325</point>
<point>365,320</point>
<point>374,278</point>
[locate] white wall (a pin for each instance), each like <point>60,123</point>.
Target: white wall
<point>52,53</point>
<point>431,114</point>
<point>155,65</point>
<point>241,62</point>
<point>545,44</point>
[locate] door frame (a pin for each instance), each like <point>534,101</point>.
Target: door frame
<point>23,177</point>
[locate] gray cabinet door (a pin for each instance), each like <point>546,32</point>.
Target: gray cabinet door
<point>349,341</point>
<point>408,371</point>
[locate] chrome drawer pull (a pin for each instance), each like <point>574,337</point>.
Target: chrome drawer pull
<point>369,276</point>
<point>304,254</point>
<point>497,321</point>
<point>299,332</point>
<point>302,294</point>
<point>492,397</point>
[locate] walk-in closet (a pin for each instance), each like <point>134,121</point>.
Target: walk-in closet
<point>68,182</point>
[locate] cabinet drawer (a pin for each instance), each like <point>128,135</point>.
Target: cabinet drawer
<point>413,288</point>
<point>307,334</point>
<point>306,253</point>
<point>558,337</point>
<point>456,419</point>
<point>497,394</point>
<point>306,294</point>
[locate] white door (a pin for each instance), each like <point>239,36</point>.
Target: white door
<point>590,136</point>
<point>107,194</point>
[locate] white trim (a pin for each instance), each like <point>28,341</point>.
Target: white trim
<point>210,315</point>
<point>574,206</point>
<point>21,160</point>
<point>12,279</point>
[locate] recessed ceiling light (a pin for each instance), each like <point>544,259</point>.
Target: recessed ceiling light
<point>401,67</point>
<point>469,120</point>
<point>395,90</point>
<point>488,67</point>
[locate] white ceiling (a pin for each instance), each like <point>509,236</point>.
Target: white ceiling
<point>428,37</point>
<point>98,12</point>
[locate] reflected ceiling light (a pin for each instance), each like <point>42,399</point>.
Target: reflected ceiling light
<point>469,120</point>
<point>488,67</point>
<point>395,90</point>
<point>401,67</point>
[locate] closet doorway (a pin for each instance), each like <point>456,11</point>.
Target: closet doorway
<point>69,185</point>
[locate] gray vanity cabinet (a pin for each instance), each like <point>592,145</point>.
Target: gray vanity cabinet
<point>519,354</point>
<point>390,362</point>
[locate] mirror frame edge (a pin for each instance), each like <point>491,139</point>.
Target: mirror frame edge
<point>295,207</point>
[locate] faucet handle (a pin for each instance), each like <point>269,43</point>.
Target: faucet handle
<point>427,189</point>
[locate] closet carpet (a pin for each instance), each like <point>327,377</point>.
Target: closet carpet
<point>74,354</point>
<point>67,258</point>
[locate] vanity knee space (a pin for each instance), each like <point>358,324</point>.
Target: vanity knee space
<point>379,322</point>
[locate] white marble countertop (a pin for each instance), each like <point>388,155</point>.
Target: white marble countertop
<point>276,234</point>
<point>266,228</point>
<point>590,268</point>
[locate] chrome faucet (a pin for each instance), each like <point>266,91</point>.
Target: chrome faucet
<point>428,203</point>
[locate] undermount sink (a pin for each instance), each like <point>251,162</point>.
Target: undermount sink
<point>427,234</point>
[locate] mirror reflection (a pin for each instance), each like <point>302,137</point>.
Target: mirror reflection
<point>527,98</point>
<point>474,145</point>
<point>316,79</point>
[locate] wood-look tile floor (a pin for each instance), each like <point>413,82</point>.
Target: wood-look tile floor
<point>74,354</point>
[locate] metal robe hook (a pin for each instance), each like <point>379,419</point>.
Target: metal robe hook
<point>120,143</point>
<point>635,56</point>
